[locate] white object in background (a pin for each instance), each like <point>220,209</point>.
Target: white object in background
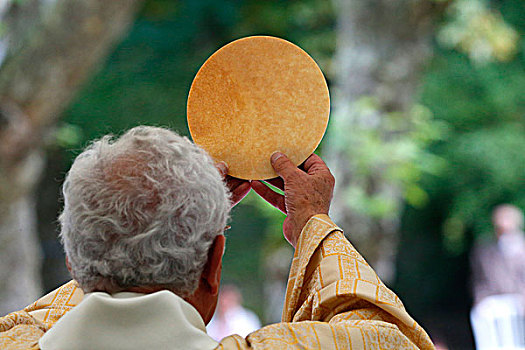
<point>498,323</point>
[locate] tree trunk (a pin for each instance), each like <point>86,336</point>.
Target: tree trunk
<point>382,46</point>
<point>21,258</point>
<point>39,76</point>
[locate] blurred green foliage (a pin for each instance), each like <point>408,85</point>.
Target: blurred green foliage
<point>483,104</point>
<point>387,148</point>
<point>479,31</point>
<point>485,109</point>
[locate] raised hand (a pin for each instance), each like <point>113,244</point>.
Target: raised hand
<point>306,193</point>
<point>238,188</point>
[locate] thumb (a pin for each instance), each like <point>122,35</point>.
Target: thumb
<point>282,165</point>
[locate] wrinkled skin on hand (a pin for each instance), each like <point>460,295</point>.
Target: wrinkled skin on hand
<point>307,192</point>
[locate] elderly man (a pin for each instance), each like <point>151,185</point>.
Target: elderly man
<point>498,266</point>
<point>142,228</point>
<point>498,283</point>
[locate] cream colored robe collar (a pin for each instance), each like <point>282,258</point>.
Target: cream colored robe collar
<point>160,320</point>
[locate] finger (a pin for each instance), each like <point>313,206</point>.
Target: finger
<point>234,182</point>
<point>223,168</point>
<point>272,197</point>
<point>240,192</point>
<point>283,166</point>
<point>314,164</point>
<point>242,188</point>
<point>277,182</point>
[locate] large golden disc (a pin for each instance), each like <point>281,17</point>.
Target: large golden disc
<point>255,96</point>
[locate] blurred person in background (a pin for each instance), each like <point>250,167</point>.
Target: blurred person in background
<point>498,283</point>
<point>142,228</point>
<point>231,317</point>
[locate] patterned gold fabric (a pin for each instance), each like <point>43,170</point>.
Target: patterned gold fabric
<point>22,329</point>
<point>334,300</point>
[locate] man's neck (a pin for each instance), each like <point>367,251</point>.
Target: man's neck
<point>110,287</point>
<point>198,301</point>
<point>145,289</point>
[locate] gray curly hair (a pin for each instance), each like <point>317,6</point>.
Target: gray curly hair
<point>142,210</point>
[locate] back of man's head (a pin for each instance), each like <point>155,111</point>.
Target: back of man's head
<point>507,218</point>
<point>142,210</point>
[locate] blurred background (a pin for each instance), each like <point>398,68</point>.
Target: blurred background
<point>426,133</point>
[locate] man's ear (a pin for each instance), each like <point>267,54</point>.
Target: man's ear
<point>68,265</point>
<point>212,270</point>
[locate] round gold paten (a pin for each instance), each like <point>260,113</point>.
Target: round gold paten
<point>255,96</point>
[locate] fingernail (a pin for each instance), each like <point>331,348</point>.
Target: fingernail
<point>275,156</point>
<point>223,167</point>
